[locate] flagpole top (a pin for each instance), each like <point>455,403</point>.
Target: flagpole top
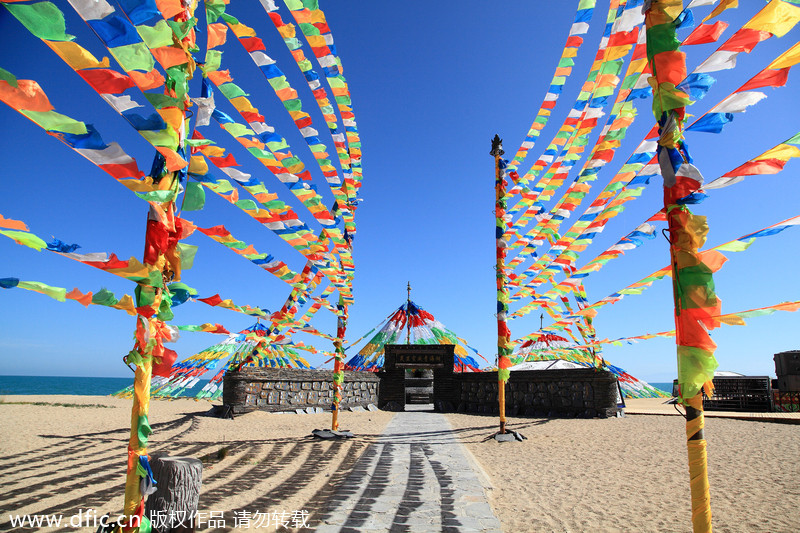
<point>497,146</point>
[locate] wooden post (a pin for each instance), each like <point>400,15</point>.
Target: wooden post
<point>408,315</point>
<point>173,506</point>
<point>503,334</point>
<point>140,430</point>
<point>162,260</point>
<point>687,326</point>
<point>338,364</point>
<point>693,288</point>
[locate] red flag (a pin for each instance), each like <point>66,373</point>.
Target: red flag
<point>211,300</point>
<point>766,78</point>
<point>216,230</point>
<point>745,40</point>
<point>105,80</point>
<point>227,161</point>
<point>706,33</point>
<point>251,44</point>
<point>164,367</point>
<point>755,168</point>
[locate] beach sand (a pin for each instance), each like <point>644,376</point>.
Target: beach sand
<point>626,474</point>
<point>62,459</point>
<point>631,474</point>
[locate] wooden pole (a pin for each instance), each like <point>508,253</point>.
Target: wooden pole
<point>695,421</point>
<point>693,288</point>
<point>150,334</point>
<point>336,390</point>
<point>408,315</point>
<point>162,260</point>
<point>503,334</point>
<point>140,430</point>
<point>338,364</point>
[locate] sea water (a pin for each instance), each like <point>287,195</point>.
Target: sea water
<point>81,386</point>
<point>666,387</point>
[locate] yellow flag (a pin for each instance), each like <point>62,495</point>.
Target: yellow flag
<point>240,30</point>
<point>75,55</point>
<point>732,320</point>
<point>777,17</point>
<point>198,165</point>
<point>784,152</point>
<point>789,58</point>
<point>725,4</point>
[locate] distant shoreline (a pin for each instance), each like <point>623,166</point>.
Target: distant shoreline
<point>71,385</point>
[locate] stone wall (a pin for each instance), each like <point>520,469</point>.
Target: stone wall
<point>545,393</point>
<point>281,389</point>
<point>541,393</point>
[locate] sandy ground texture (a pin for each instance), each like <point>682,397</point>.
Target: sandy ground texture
<point>631,474</point>
<point>62,459</point>
<point>626,474</point>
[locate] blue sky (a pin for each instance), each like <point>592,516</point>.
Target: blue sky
<point>431,84</point>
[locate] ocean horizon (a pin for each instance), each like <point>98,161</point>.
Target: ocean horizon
<point>76,385</point>
<point>666,387</point>
<point>97,386</point>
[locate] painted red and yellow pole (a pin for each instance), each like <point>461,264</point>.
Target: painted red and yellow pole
<point>695,299</point>
<point>338,364</point>
<point>503,334</point>
<point>153,304</point>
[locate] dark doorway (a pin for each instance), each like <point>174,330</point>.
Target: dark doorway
<point>416,374</point>
<point>419,386</point>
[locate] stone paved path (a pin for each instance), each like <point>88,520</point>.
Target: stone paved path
<point>416,477</point>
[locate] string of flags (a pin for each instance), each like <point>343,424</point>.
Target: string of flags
<point>156,48</point>
<point>156,51</point>
<point>642,159</point>
<point>777,157</point>
<point>711,256</point>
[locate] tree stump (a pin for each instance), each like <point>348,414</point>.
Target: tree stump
<point>172,508</point>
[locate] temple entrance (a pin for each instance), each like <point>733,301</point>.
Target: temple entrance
<point>416,374</point>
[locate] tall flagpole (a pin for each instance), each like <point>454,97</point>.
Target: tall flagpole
<point>503,334</point>
<point>408,315</point>
<point>162,260</point>
<point>693,287</point>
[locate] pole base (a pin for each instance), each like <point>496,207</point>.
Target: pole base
<point>508,436</point>
<point>330,434</point>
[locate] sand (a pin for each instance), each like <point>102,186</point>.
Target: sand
<point>631,474</point>
<point>62,459</point>
<point>624,474</point>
